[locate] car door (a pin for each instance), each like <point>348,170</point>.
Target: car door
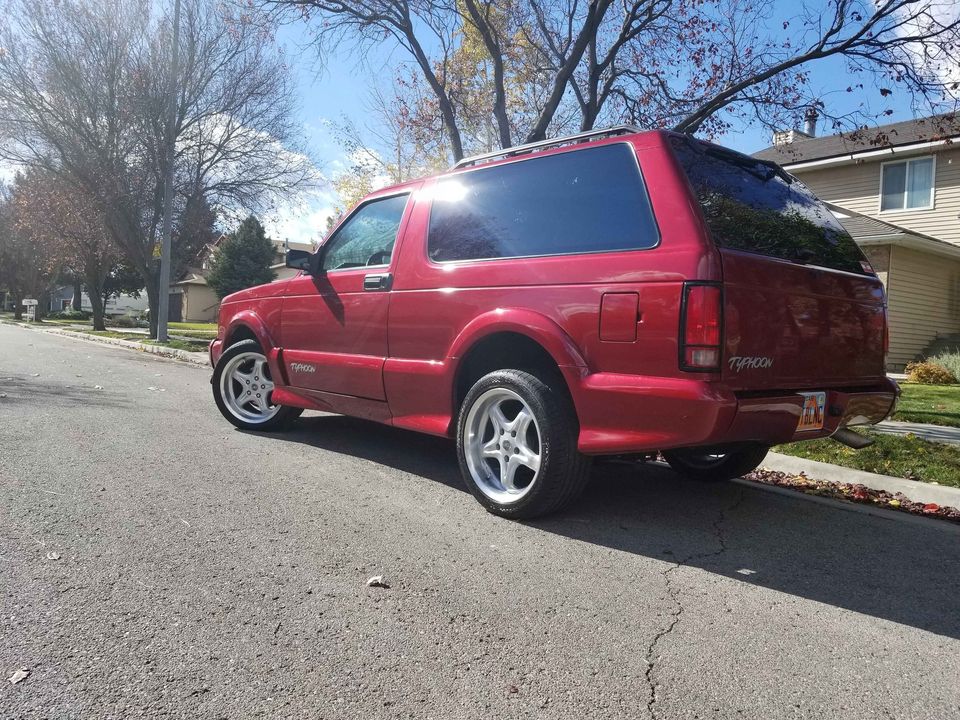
<point>334,323</point>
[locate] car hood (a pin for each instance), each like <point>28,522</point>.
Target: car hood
<point>272,289</point>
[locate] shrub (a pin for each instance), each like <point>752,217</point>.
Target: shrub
<point>929,373</point>
<point>124,321</point>
<point>951,361</point>
<point>70,315</point>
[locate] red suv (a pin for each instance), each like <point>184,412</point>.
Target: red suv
<point>614,293</point>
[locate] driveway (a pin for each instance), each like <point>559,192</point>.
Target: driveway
<point>155,562</point>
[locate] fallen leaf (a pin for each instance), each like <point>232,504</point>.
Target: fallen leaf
<point>19,675</point>
<point>894,503</point>
<point>53,556</point>
<point>931,507</point>
<point>378,581</point>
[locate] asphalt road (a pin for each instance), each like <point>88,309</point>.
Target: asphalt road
<point>205,572</point>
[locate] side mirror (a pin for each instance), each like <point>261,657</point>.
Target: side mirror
<point>299,260</point>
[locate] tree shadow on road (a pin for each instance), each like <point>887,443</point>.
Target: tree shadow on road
<point>902,572</point>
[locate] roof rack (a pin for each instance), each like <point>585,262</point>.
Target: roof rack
<point>543,144</point>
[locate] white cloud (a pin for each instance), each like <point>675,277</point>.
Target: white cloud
<point>929,61</point>
<point>302,220</point>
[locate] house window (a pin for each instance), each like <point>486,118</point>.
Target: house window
<point>907,185</point>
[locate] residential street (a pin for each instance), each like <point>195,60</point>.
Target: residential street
<point>205,572</point>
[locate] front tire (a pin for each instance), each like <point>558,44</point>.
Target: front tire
<point>715,467</point>
<point>517,445</point>
<point>242,389</point>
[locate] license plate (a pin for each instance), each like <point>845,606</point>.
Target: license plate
<point>811,413</point>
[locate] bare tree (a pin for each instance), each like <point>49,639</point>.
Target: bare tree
<point>691,65</point>
<point>82,93</point>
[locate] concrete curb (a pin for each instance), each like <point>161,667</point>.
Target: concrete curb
<point>815,470</point>
<point>930,433</point>
<point>193,358</point>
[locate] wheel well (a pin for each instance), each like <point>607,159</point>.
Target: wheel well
<point>241,332</point>
<point>501,351</point>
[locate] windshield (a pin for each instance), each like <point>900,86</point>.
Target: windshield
<point>757,207</point>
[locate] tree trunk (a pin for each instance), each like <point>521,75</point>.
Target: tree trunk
<point>94,281</point>
<point>96,303</point>
<point>17,308</point>
<point>153,301</point>
<point>43,305</point>
<point>77,296</point>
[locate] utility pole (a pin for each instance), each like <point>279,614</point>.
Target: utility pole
<point>165,242</point>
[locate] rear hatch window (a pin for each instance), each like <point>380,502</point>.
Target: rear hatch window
<point>757,207</point>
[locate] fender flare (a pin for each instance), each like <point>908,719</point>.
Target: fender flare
<point>539,328</point>
<point>253,322</point>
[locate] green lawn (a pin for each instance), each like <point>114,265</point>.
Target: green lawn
<point>207,327</point>
<point>901,456</point>
<point>934,404</point>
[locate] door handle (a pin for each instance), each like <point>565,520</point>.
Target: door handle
<point>378,282</point>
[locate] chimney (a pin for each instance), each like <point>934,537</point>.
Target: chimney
<point>810,118</point>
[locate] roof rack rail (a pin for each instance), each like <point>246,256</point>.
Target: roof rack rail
<point>542,144</point>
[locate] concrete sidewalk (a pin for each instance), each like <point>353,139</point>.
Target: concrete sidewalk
<point>917,491</point>
<point>933,433</point>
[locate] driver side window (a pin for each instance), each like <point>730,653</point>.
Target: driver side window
<point>367,237</point>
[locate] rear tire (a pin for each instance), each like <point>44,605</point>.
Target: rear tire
<point>707,467</point>
<point>517,445</point>
<point>242,389</point>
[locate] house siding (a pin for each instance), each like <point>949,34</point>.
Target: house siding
<point>200,303</point>
<point>857,187</point>
<point>923,301</point>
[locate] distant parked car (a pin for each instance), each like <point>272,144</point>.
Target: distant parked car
<point>615,293</point>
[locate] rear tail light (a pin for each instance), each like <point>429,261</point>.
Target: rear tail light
<point>701,324</point>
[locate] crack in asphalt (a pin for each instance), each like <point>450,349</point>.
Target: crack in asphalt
<point>675,597</point>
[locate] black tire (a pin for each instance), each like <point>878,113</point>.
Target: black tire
<point>563,471</point>
<point>279,421</point>
<point>700,465</point>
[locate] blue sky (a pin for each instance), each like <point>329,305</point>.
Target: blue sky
<point>340,88</point>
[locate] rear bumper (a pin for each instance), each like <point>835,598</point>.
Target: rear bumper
<point>631,414</point>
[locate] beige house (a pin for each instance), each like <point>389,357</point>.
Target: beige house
<point>896,190</point>
<point>192,300</point>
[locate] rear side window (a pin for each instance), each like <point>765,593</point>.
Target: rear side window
<point>583,201</point>
<point>757,207</point>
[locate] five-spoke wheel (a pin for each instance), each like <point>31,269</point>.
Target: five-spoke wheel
<point>517,444</point>
<point>503,445</point>
<point>243,389</point>
<point>246,387</point>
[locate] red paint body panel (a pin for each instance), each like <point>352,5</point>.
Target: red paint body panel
<point>610,321</point>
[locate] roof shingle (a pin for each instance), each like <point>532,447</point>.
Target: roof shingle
<point>938,127</point>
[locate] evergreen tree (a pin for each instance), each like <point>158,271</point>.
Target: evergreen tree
<point>242,260</point>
